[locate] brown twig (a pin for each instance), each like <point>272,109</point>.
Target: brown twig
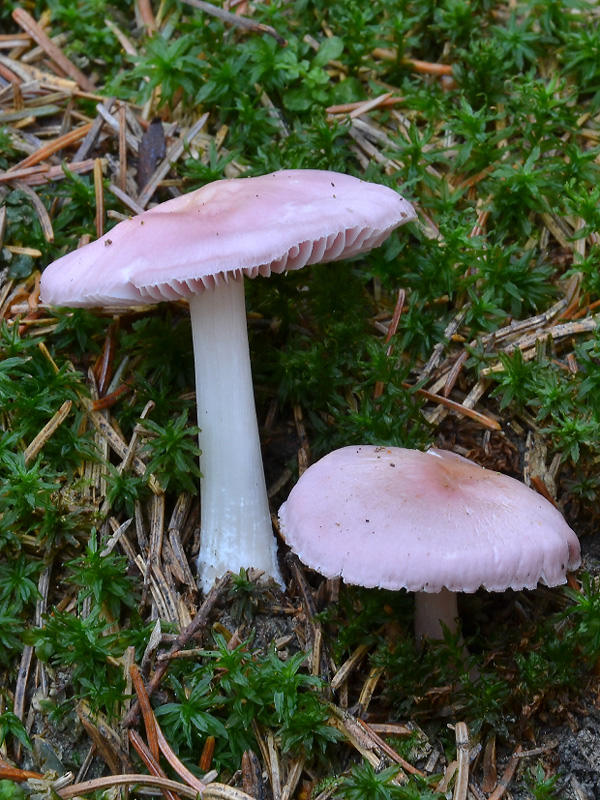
<point>130,779</point>
<point>42,173</point>
<point>147,16</point>
<point>452,405</point>
<point>237,19</point>
<point>151,762</point>
<point>428,67</point>
<point>507,775</point>
<point>179,768</point>
<point>37,33</point>
<point>18,775</point>
<point>147,712</point>
<point>199,621</point>
<point>49,149</point>
<point>111,399</point>
<point>391,331</point>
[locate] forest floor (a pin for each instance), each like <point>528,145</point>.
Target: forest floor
<point>472,329</point>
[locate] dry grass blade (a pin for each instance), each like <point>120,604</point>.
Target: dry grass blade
<point>39,207</point>
<point>3,229</point>
<point>127,201</point>
<point>369,105</point>
<point>368,688</point>
<point>106,739</point>
<point>181,560</point>
<point>507,775</point>
<point>147,712</point>
<point>157,528</point>
<point>130,779</point>
<point>274,767</point>
<point>44,435</point>
<point>42,173</point>
<point>121,447</point>
<point>294,774</point>
<point>175,763</point>
<point>387,750</point>
<point>151,762</point>
<point>92,135</point>
<point>460,408</point>
<point>349,666</point>
<point>558,332</point>
<point>219,791</point>
<point>113,124</point>
<point>49,149</point>
<point>30,26</point>
<point>461,786</point>
<point>99,193</point>
<point>362,738</point>
<point>348,108</point>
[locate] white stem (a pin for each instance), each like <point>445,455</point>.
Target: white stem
<point>431,610</point>
<point>236,529</point>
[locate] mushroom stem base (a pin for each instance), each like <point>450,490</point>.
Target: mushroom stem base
<point>236,529</point>
<point>432,610</point>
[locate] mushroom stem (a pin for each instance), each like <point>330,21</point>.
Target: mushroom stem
<point>236,529</point>
<point>431,610</point>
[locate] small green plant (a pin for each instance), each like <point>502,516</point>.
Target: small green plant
<point>585,615</point>
<point>245,595</point>
<point>192,712</point>
<point>364,781</point>
<point>11,725</point>
<point>173,453</point>
<point>103,577</point>
<point>542,787</point>
<point>124,488</point>
<point>89,646</point>
<point>9,790</point>
<point>232,688</point>
<point>17,588</point>
<point>11,628</point>
<point>166,64</point>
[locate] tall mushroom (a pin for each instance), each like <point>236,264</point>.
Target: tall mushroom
<point>199,246</point>
<point>434,523</point>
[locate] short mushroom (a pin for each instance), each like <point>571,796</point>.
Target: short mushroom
<point>199,246</point>
<point>431,522</point>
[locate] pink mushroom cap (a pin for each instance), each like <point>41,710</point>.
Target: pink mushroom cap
<point>394,518</point>
<point>251,226</point>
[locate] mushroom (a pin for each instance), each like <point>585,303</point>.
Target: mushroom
<point>431,522</point>
<point>199,246</point>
